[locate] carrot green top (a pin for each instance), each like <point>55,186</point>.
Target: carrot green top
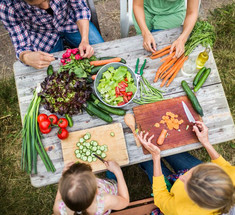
<point>177,201</point>
<point>162,14</point>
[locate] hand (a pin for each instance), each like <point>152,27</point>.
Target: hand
<point>67,166</point>
<point>153,149</point>
<point>202,132</point>
<point>149,42</point>
<point>38,59</point>
<point>85,49</point>
<point>112,166</point>
<point>178,46</point>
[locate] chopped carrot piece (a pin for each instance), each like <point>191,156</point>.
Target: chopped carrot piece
<point>157,125</point>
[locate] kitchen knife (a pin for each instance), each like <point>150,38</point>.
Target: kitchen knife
<point>188,113</point>
<point>101,159</point>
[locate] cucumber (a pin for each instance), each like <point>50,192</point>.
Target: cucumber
<point>78,144</point>
<point>103,155</point>
<point>104,107</point>
<point>50,70</point>
<point>91,107</point>
<point>77,151</point>
<point>90,113</point>
<point>199,74</point>
<point>81,140</point>
<point>78,155</point>
<point>192,98</point>
<point>89,159</point>
<point>202,80</point>
<point>81,147</point>
<point>95,70</point>
<point>87,136</point>
<point>102,148</point>
<point>98,152</point>
<point>107,58</point>
<point>70,121</point>
<point>94,159</point>
<point>112,134</point>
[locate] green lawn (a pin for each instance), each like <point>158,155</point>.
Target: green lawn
<point>17,196</point>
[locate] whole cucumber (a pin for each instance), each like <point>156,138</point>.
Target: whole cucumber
<point>202,80</point>
<point>197,77</point>
<point>95,69</point>
<point>192,98</point>
<point>70,121</point>
<point>50,70</point>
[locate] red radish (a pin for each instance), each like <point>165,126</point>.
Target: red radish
<point>74,51</point>
<point>62,60</point>
<point>69,51</point>
<point>78,57</point>
<point>68,60</point>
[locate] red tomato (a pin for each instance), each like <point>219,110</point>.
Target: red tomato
<point>121,103</point>
<point>45,124</point>
<point>126,79</point>
<point>129,98</point>
<point>122,89</point>
<point>62,123</point>
<point>125,99</point>
<point>63,133</point>
<point>53,118</point>
<point>129,93</point>
<point>124,84</point>
<point>46,131</point>
<point>117,90</point>
<point>42,117</point>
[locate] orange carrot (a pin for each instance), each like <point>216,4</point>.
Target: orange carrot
<point>103,62</point>
<point>177,70</point>
<point>159,71</point>
<point>161,50</point>
<point>161,54</point>
<point>168,65</point>
<point>168,56</point>
<point>93,77</point>
<point>162,137</point>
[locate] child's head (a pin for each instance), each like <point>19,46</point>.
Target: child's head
<point>78,187</point>
<point>211,187</point>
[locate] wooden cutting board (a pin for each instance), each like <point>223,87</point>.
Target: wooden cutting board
<point>147,115</point>
<point>116,145</point>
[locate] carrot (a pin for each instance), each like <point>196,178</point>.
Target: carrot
<point>162,137</point>
<point>159,71</point>
<point>168,56</point>
<point>177,70</point>
<point>93,77</point>
<point>168,65</point>
<point>161,54</point>
<point>161,50</point>
<point>103,62</point>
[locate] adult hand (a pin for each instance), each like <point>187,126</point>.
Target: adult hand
<point>202,132</point>
<point>153,149</point>
<point>148,42</point>
<point>85,49</point>
<point>112,166</point>
<point>178,46</point>
<point>37,59</point>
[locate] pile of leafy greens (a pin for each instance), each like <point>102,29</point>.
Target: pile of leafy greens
<point>203,33</point>
<point>64,93</point>
<point>110,80</point>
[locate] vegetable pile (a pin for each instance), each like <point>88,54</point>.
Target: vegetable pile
<point>86,149</point>
<point>116,86</point>
<point>203,33</point>
<point>32,145</point>
<point>64,93</point>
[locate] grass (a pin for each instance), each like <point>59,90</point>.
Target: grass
<point>17,196</point>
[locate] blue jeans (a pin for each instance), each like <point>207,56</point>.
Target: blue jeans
<point>177,162</point>
<point>74,39</point>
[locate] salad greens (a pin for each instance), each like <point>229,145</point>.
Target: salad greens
<point>110,80</point>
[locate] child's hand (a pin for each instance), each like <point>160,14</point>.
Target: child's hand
<point>66,167</point>
<point>202,132</point>
<point>112,166</point>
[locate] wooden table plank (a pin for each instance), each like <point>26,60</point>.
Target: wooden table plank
<point>212,98</point>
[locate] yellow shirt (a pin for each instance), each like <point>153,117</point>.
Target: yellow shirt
<point>177,201</point>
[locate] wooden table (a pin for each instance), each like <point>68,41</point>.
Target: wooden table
<point>211,97</point>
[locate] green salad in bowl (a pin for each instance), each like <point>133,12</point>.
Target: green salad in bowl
<point>116,84</point>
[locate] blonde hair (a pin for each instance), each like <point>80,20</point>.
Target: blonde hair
<point>78,187</point>
<point>211,188</point>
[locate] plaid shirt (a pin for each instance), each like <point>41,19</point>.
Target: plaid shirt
<point>32,28</point>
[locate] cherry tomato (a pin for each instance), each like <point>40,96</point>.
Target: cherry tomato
<point>62,123</point>
<point>121,103</point>
<point>45,131</point>
<point>124,83</point>
<point>129,93</point>
<point>122,89</point>
<point>63,133</point>
<point>125,99</point>
<point>53,118</point>
<point>129,98</point>
<point>42,117</point>
<point>126,79</point>
<point>45,124</point>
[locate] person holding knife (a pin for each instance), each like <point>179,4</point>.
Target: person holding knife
<point>205,189</point>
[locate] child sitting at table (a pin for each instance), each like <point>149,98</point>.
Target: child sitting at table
<point>81,192</point>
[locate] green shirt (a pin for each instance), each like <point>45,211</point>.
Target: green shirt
<point>162,14</point>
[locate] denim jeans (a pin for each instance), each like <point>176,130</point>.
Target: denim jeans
<point>177,162</point>
<point>74,39</point>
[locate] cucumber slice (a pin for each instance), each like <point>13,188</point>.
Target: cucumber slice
<point>102,148</point>
<point>78,155</point>
<point>84,150</point>
<point>92,142</point>
<point>94,148</point>
<point>88,153</point>
<point>81,140</point>
<point>78,144</point>
<point>103,155</point>
<point>112,134</point>
<point>77,151</point>
<point>94,159</point>
<point>105,148</point>
<point>88,144</point>
<point>84,158</point>
<point>98,152</point>
<point>81,147</point>
<point>95,143</point>
<point>87,136</point>
<point>89,159</point>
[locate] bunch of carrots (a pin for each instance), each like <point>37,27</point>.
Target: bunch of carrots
<point>170,67</point>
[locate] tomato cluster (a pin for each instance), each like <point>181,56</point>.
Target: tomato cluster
<point>47,122</point>
<point>120,90</point>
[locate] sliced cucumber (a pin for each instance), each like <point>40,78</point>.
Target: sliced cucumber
<point>103,155</point>
<point>88,145</point>
<point>102,148</point>
<point>84,158</point>
<point>81,147</point>
<point>94,159</point>
<point>88,153</point>
<point>95,143</point>
<point>78,155</point>
<point>84,150</point>
<point>112,134</point>
<point>81,140</point>
<point>94,148</point>
<point>98,152</point>
<point>77,151</point>
<point>87,136</point>
<point>89,159</point>
<point>78,144</point>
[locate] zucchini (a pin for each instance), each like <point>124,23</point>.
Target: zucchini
<point>106,108</point>
<point>70,121</point>
<point>50,70</point>
<point>192,98</point>
<point>199,74</point>
<point>202,80</point>
<point>107,58</point>
<point>95,69</point>
<point>91,107</point>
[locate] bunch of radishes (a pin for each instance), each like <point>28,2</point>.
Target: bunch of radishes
<point>69,54</point>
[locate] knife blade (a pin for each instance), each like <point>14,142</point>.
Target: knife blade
<point>188,113</point>
<point>101,159</point>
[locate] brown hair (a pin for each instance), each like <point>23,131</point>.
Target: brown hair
<point>211,188</point>
<point>78,187</point>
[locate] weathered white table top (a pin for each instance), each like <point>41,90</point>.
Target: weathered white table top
<point>217,114</point>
